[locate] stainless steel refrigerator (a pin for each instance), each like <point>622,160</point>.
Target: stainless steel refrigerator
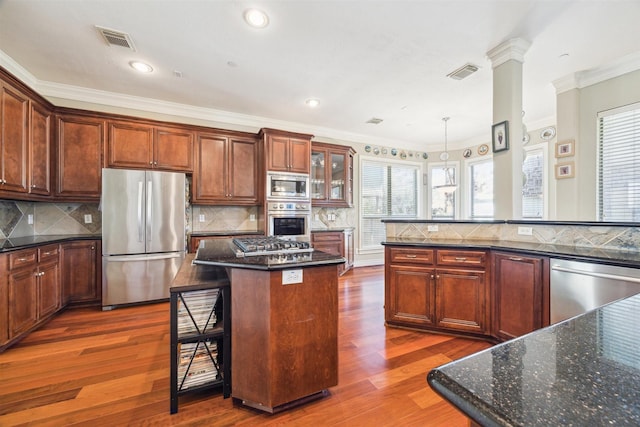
<point>143,234</point>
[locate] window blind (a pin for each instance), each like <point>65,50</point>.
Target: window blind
<point>619,164</point>
<point>533,185</point>
<point>481,174</point>
<point>388,190</point>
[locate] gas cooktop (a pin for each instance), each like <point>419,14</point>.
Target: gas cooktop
<point>255,246</point>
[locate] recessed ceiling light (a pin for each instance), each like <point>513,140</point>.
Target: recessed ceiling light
<point>141,66</point>
<point>256,18</point>
<point>312,102</point>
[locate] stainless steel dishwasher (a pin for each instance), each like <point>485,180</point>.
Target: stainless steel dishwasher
<point>577,287</point>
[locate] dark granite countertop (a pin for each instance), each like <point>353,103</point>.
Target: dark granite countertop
<point>584,371</point>
<point>194,277</point>
<point>226,233</point>
<point>16,243</point>
<point>594,255</point>
<point>223,253</point>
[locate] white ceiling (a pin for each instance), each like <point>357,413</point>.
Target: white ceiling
<point>362,59</point>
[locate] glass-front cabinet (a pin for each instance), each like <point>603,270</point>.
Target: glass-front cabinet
<point>331,177</point>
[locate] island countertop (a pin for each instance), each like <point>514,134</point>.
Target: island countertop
<point>583,371</point>
<point>224,253</point>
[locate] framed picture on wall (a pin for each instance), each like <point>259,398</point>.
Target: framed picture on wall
<point>565,148</point>
<point>565,170</point>
<point>500,136</point>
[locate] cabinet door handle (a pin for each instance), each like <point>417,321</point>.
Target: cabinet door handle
<point>411,256</point>
<point>515,258</point>
<point>461,258</point>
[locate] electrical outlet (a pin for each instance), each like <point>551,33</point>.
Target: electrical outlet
<point>201,218</point>
<point>316,217</point>
<point>252,217</point>
<point>30,219</point>
<point>88,219</point>
<point>432,227</point>
<point>525,231</point>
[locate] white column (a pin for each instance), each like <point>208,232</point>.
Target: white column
<point>506,60</point>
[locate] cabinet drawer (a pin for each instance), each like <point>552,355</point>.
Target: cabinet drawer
<point>326,237</point>
<point>411,255</point>
<point>462,258</point>
<point>22,258</point>
<point>47,253</point>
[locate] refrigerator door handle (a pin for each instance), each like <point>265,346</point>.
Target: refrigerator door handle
<point>149,209</point>
<point>140,228</point>
<point>132,258</point>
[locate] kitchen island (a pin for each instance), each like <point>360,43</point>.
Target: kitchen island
<point>583,371</point>
<point>284,324</point>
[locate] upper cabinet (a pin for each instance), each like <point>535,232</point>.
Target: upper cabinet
<point>226,171</point>
<point>286,152</point>
<point>331,175</point>
<point>40,150</point>
<point>144,146</point>
<point>14,125</point>
<point>80,141</point>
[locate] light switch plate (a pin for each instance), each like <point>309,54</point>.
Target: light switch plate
<point>88,219</point>
<point>252,217</point>
<point>432,227</point>
<point>201,218</point>
<point>525,231</point>
<point>30,219</point>
<point>290,277</point>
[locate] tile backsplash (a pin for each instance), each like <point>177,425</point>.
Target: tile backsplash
<point>20,219</point>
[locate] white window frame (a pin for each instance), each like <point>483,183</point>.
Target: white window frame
<point>600,115</point>
<point>457,199</point>
<point>419,199</point>
<point>545,176</point>
<point>467,182</point>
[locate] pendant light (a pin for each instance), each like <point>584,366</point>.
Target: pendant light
<point>449,173</point>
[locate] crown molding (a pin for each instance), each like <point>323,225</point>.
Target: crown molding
<point>511,49</point>
<point>582,79</point>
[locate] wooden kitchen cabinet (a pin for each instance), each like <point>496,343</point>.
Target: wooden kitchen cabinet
<point>81,272</point>
<point>286,152</point>
<point>226,171</point>
<point>14,123</point>
<point>518,294</point>
<point>4,300</point>
<point>33,288</point>
<point>134,145</point>
<point>331,178</point>
<point>40,150</point>
<point>335,243</point>
<point>437,289</point>
<point>79,157</point>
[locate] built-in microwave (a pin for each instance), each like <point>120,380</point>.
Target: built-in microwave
<point>287,186</point>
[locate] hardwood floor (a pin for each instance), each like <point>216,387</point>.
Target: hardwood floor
<point>88,367</point>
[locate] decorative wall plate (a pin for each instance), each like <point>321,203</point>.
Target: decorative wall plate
<point>548,133</point>
<point>525,138</point>
<point>483,149</point>
<point>384,151</point>
<point>444,156</point>
<point>403,155</point>
<point>466,153</point>
<point>394,151</point>
<point>425,156</point>
<point>376,151</point>
<point>367,148</point>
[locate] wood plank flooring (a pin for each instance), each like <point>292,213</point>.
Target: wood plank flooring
<point>88,367</point>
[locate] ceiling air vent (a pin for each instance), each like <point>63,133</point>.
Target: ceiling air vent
<point>462,72</point>
<point>374,121</point>
<point>116,38</point>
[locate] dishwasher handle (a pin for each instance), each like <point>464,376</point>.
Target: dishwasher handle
<point>595,274</point>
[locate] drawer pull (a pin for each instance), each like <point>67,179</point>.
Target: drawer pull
<point>461,258</point>
<point>515,258</point>
<point>22,259</point>
<point>48,253</point>
<point>411,256</point>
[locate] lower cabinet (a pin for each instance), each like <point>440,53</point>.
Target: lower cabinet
<point>437,289</point>
<point>518,294</point>
<point>335,243</point>
<point>33,288</point>
<point>81,272</point>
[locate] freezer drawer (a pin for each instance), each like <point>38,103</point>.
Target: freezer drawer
<point>138,278</point>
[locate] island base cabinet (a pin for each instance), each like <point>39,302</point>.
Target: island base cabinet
<point>461,300</point>
<point>410,296</point>
<point>284,336</point>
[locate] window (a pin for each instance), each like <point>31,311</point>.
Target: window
<point>444,200</point>
<point>388,190</point>
<point>619,164</point>
<point>481,189</point>
<point>534,173</point>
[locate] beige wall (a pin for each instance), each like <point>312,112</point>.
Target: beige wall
<point>577,112</point>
